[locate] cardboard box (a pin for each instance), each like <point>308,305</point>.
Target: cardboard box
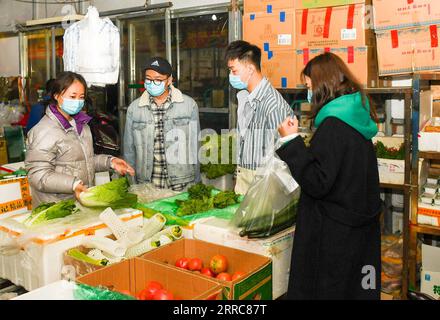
<point>430,277</point>
<point>15,197</point>
<point>333,27</point>
<point>308,4</point>
<point>270,31</point>
<point>361,61</point>
<point>279,66</point>
<point>134,274</point>
<point>278,247</point>
<point>252,6</point>
<point>397,14</point>
<point>256,285</point>
<point>408,50</point>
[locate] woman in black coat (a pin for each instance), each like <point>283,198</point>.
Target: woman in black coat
<point>336,251</point>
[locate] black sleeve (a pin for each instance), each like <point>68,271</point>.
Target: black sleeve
<point>316,168</point>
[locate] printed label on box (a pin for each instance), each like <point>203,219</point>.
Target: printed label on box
<point>285,39</point>
<point>348,34</point>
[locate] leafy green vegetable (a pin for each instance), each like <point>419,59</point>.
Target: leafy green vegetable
<point>219,169</point>
<point>200,191</point>
<point>50,211</point>
<point>113,194</point>
<point>225,199</point>
<point>384,152</point>
<point>192,206</point>
<point>200,200</point>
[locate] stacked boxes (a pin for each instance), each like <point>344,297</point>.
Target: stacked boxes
<point>291,33</point>
<point>407,36</point>
<point>343,29</point>
<point>271,26</point>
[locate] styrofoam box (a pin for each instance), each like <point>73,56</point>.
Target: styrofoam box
<point>430,277</point>
<point>397,199</point>
<point>223,183</point>
<point>278,247</point>
<point>429,141</point>
<point>59,290</point>
<point>41,262</point>
<point>397,108</point>
<point>397,217</point>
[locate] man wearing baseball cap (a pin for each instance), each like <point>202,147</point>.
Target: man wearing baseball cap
<point>161,132</point>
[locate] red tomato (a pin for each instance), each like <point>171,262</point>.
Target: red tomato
<point>152,288</point>
<point>224,276</point>
<point>207,272</point>
<point>182,263</point>
<point>238,275</point>
<point>163,295</point>
<point>218,264</point>
<point>143,295</point>
<point>195,264</point>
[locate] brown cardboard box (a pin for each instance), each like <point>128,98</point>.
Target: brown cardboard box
<point>397,14</point>
<point>279,66</point>
<point>252,6</point>
<point>256,285</point>
<point>308,4</point>
<point>270,31</point>
<point>361,61</point>
<point>333,27</point>
<point>408,50</point>
<point>134,274</point>
<point>435,90</point>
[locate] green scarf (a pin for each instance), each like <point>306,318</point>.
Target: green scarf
<point>349,108</point>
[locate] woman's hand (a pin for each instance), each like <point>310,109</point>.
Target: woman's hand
<point>79,188</point>
<point>288,127</point>
<point>122,167</point>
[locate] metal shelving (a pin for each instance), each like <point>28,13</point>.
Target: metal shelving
<point>421,81</point>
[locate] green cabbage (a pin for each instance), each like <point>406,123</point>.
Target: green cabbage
<point>49,211</point>
<point>113,194</point>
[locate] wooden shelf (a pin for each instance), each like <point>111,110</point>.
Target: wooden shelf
<point>426,229</point>
<point>394,186</point>
<point>429,155</point>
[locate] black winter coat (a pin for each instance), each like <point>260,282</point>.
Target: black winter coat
<point>338,230</point>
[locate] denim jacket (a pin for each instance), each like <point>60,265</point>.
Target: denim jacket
<point>182,130</point>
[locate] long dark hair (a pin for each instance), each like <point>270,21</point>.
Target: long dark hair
<point>331,79</point>
<point>63,81</point>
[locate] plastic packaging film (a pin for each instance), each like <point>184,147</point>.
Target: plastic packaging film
<point>114,248</point>
<point>122,232</point>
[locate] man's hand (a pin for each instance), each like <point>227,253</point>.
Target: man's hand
<point>288,127</point>
<point>122,167</point>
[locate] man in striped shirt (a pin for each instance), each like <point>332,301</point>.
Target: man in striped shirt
<point>261,109</point>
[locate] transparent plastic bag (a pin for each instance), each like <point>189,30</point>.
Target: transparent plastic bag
<point>148,192</point>
<point>270,205</point>
<point>86,292</point>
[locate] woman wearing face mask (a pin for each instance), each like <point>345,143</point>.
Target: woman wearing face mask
<point>336,252</point>
<point>60,157</point>
<point>161,132</point>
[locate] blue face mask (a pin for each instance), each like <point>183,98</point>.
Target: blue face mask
<point>236,82</point>
<point>309,95</point>
<point>72,106</point>
<point>155,90</point>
